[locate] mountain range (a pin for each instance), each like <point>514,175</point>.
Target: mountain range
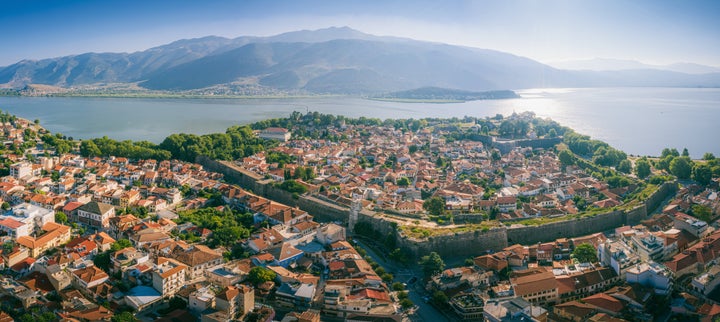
<point>607,64</point>
<point>326,61</point>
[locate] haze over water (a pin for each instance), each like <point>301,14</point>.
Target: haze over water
<point>640,121</point>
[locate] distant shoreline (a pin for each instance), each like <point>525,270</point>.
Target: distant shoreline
<point>178,96</point>
<point>411,100</point>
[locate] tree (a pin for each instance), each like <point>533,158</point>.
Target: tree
<point>566,158</point>
<point>259,275</point>
<point>702,212</point>
<point>552,133</point>
<point>402,295</point>
<point>585,253</point>
<point>406,303</point>
<point>434,205</point>
<point>387,277</point>
<point>642,168</point>
<point>702,173</point>
<point>669,152</point>
<point>61,217</point>
<point>120,244</point>
<point>432,264</point>
<point>5,206</point>
<point>404,182</point>
<point>440,298</point>
<point>708,156</point>
<point>102,261</point>
<point>293,186</point>
<point>624,166</point>
<point>88,148</point>
<point>685,152</point>
<point>397,286</point>
<point>681,167</point>
<point>124,317</point>
<point>229,235</point>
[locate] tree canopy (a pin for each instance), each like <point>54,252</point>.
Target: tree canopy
<point>120,244</point>
<point>259,275</point>
<point>434,205</point>
<point>432,264</point>
<point>566,157</point>
<point>681,167</point>
<point>702,173</point>
<point>585,253</point>
<point>642,168</point>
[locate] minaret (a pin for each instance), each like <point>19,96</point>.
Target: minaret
<point>354,211</point>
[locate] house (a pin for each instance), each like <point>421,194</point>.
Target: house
<point>651,274</point>
<point>307,316</point>
<point>574,311</point>
<point>691,224</point>
<point>707,281</point>
<point>201,300</point>
<point>286,254</point>
<point>198,259</point>
<point>91,276</point>
<point>275,133</point>
<point>121,224</point>
<point>493,262</point>
<point>330,233</point>
<point>96,215</point>
<point>236,301</point>
<point>693,259</point>
<point>535,285</point>
<point>54,236</point>
<point>223,275</point>
<point>24,219</point>
<point>453,278</point>
<point>122,259</point>
<point>513,309</point>
<point>573,285</point>
<point>103,241</point>
<point>507,204</point>
<point>168,276</point>
<point>298,295</point>
<point>468,306</point>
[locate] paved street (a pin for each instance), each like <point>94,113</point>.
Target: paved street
<point>425,311</point>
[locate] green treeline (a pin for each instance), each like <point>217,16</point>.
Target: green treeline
<point>600,152</point>
<point>135,150</point>
<point>235,143</point>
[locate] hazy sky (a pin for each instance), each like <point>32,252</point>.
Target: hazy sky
<point>652,31</point>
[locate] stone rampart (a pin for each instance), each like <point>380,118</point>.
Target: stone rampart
<point>468,243</point>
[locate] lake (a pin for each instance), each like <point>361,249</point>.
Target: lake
<point>640,121</point>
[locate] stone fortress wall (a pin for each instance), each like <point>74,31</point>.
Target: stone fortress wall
<point>470,243</point>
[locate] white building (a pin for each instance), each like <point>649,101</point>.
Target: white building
<point>168,276</point>
<point>708,281</point>
<point>21,169</point>
<point>651,274</point>
<point>24,219</point>
<point>275,133</point>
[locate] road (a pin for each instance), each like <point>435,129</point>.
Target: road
<point>425,311</point>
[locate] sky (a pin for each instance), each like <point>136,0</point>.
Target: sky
<point>650,31</point>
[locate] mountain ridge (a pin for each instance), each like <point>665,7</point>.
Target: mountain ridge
<point>336,60</point>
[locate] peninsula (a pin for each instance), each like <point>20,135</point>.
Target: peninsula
<point>288,215</point>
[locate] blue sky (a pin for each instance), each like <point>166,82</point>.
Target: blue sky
<point>652,31</point>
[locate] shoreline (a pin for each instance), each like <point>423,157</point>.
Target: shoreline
<point>179,96</point>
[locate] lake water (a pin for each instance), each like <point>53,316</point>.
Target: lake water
<point>639,121</point>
